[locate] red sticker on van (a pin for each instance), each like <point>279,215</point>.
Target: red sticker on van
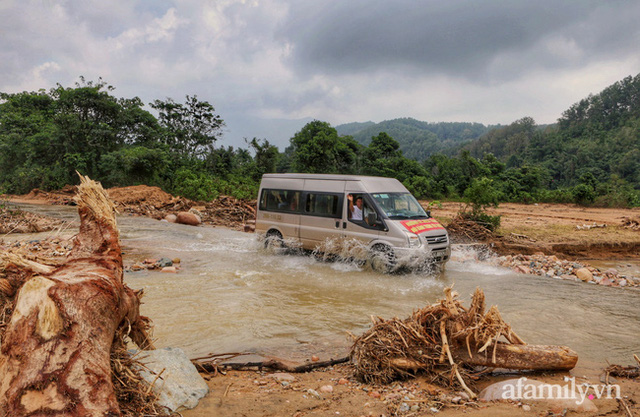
<point>421,226</point>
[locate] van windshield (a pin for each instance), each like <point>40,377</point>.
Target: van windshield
<point>399,206</point>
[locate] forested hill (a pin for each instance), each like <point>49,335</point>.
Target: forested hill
<point>418,140</point>
<point>595,139</point>
<point>591,156</point>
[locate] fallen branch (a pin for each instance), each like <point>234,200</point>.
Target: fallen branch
<point>269,363</point>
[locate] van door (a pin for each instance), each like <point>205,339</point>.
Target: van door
<point>359,233</point>
<point>321,214</point>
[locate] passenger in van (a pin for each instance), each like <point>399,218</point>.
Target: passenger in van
<point>355,211</point>
<point>294,202</point>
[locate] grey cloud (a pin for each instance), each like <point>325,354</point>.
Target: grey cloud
<point>457,37</point>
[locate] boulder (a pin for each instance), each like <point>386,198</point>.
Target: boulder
<point>194,210</point>
<point>556,397</point>
<point>171,218</point>
<point>584,274</point>
<point>188,218</point>
<point>180,385</point>
<point>162,262</point>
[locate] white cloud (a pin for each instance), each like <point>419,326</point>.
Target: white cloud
<point>275,59</point>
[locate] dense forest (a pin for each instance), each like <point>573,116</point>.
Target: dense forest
<point>591,156</point>
<point>418,140</point>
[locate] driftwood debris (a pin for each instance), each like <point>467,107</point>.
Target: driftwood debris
<point>446,341</point>
<point>463,230</point>
<point>631,372</point>
<point>65,324</point>
<point>218,362</point>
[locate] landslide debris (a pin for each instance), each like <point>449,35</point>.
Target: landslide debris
<point>143,200</point>
<point>16,220</point>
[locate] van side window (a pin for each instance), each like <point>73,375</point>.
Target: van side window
<point>280,200</point>
<point>362,213</point>
<point>323,204</point>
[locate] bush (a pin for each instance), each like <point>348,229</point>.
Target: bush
<point>133,165</point>
<point>241,187</point>
<point>560,195</point>
<point>194,185</point>
<point>482,194</point>
<point>491,223</point>
<point>583,194</point>
<point>421,187</point>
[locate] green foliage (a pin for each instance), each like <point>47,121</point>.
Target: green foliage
<point>266,157</point>
<point>194,185</point>
<point>583,194</point>
<point>134,165</point>
<point>191,128</point>
<point>420,186</point>
<point>592,156</point>
<point>46,136</point>
<point>316,148</point>
<point>481,194</point>
<point>417,140</point>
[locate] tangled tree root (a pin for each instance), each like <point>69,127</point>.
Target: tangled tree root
<point>445,341</point>
<point>631,372</point>
<point>464,230</point>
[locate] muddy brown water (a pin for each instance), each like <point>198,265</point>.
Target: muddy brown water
<point>232,295</point>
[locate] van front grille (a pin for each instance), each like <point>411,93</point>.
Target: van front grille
<point>436,240</point>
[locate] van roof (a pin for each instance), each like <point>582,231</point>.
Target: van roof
<point>329,177</point>
<point>373,184</point>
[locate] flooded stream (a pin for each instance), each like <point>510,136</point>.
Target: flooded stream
<point>232,295</point>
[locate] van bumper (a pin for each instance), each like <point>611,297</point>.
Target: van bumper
<point>423,254</point>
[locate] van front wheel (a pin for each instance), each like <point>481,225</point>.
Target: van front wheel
<point>382,258</point>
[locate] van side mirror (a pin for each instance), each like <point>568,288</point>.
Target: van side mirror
<point>428,213</point>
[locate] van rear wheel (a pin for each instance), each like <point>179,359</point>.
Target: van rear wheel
<point>382,258</point>
<point>274,240</point>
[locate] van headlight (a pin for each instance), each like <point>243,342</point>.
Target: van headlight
<point>414,240</point>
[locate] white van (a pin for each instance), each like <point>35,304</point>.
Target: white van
<point>380,213</point>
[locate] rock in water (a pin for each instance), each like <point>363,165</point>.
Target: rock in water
<point>180,385</point>
<point>162,262</point>
<point>188,218</point>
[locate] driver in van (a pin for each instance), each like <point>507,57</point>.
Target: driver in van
<point>355,211</point>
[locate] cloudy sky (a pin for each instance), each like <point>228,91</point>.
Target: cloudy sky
<point>273,63</point>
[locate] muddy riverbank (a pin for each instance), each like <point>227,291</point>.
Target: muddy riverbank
<point>564,230</point>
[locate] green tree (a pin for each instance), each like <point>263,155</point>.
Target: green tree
<point>266,157</point>
<point>481,195</point>
<point>190,128</point>
<point>317,148</point>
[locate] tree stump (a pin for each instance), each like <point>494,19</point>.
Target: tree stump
<point>55,354</point>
